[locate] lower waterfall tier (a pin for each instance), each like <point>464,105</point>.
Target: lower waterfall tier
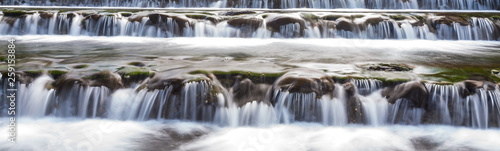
<point>300,95</point>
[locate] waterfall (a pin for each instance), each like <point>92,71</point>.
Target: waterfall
<point>282,4</point>
<point>197,101</point>
<point>175,25</point>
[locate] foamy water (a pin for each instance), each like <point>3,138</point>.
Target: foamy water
<point>99,134</point>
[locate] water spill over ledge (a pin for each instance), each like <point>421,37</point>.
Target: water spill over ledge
<point>254,24</point>
<point>240,99</point>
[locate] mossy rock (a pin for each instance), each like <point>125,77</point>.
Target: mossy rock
<point>397,17</point>
<point>234,13</point>
<point>80,66</point>
<point>331,17</point>
<point>252,23</point>
<point>310,17</point>
<point>57,73</point>
<point>390,67</point>
<point>138,64</point>
<point>228,79</point>
<point>14,13</point>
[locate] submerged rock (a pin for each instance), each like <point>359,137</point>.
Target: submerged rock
<point>414,91</point>
<point>305,81</point>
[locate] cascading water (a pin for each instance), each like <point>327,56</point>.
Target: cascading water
<point>280,4</point>
<point>197,102</point>
<point>174,25</point>
<point>251,79</point>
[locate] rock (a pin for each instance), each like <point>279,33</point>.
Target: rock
<point>14,13</point>
<point>9,20</point>
<point>46,15</point>
<point>95,17</point>
<point>414,91</point>
<point>252,23</point>
<point>374,21</point>
<point>275,23</point>
<point>105,78</point>
<point>234,13</point>
<point>138,64</point>
<point>175,79</point>
<point>350,89</point>
<point>345,25</point>
<point>305,81</point>
<point>448,20</point>
<point>469,87</point>
<point>245,91</point>
<point>161,19</point>
<point>353,104</point>
<point>495,72</point>
<point>390,67</point>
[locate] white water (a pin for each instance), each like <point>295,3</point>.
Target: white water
<point>191,104</point>
<point>70,134</point>
<point>282,4</point>
<point>117,25</point>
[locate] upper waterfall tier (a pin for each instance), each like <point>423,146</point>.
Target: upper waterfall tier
<point>255,24</point>
<point>275,4</point>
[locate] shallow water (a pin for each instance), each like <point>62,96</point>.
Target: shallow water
<point>100,134</point>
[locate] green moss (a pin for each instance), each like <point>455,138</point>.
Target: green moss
<point>138,64</point>
<point>196,16</point>
<point>310,17</point>
<point>357,16</point>
<point>264,16</point>
<point>80,66</point>
<point>463,73</point>
<point>421,18</point>
<point>397,17</point>
<point>3,59</point>
<point>57,73</point>
<point>14,12</point>
<point>331,17</point>
<point>227,78</point>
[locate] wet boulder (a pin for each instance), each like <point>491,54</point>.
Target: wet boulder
<point>469,87</point>
<point>305,81</point>
<point>449,20</point>
<point>374,21</point>
<point>104,78</point>
<point>176,79</point>
<point>353,104</point>
<point>234,13</point>
<point>414,91</point>
<point>252,23</point>
<point>276,22</point>
<point>46,15</point>
<point>345,25</point>
<point>160,19</point>
<point>245,91</point>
